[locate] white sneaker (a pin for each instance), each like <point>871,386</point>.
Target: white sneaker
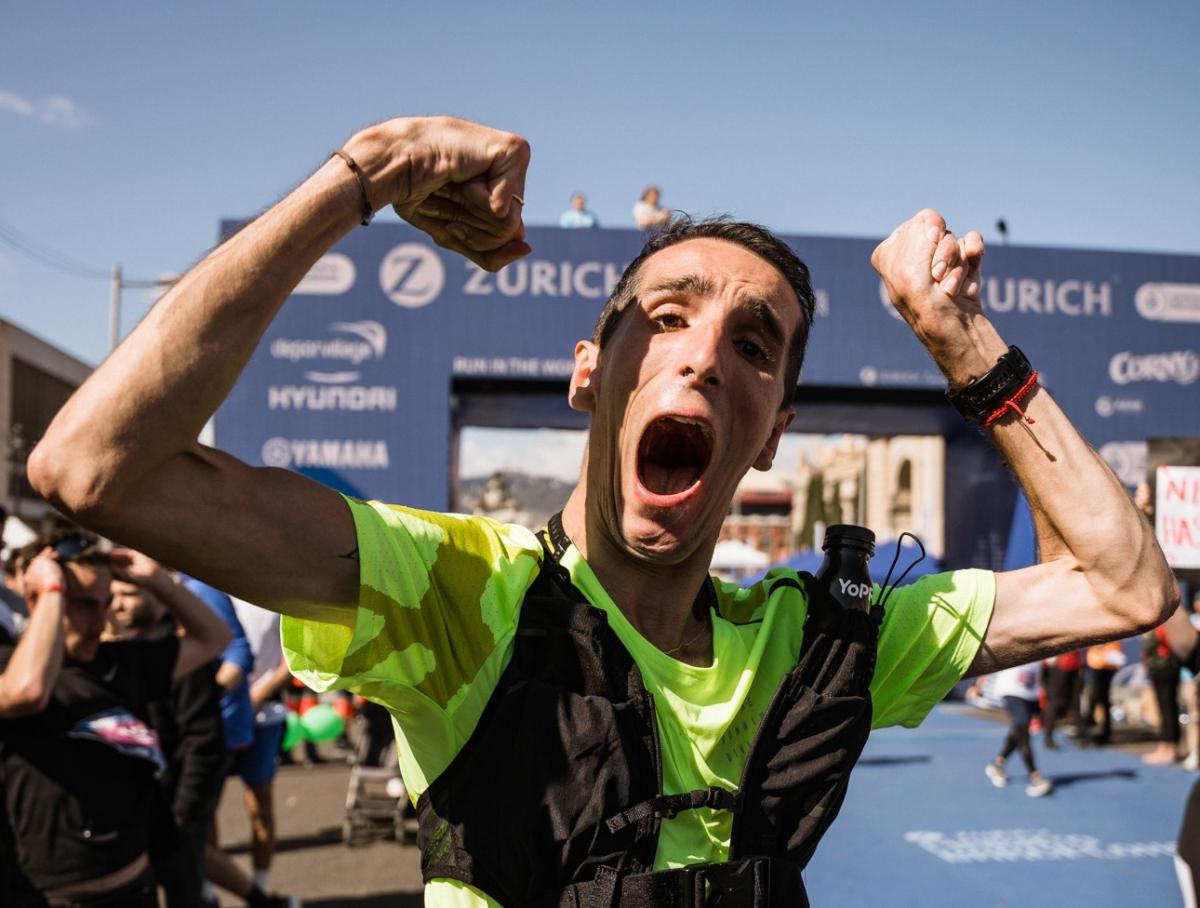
<point>1039,787</point>
<point>996,775</point>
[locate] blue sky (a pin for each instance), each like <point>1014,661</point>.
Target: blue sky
<point>127,131</point>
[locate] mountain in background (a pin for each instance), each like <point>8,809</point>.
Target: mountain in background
<point>514,497</point>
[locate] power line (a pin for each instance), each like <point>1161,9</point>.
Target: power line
<point>62,263</point>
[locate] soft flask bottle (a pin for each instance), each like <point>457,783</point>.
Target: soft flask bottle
<point>844,573</point>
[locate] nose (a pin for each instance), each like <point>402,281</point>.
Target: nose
<point>701,355</point>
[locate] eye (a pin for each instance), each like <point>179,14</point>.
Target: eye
<point>669,320</point>
<point>754,350</point>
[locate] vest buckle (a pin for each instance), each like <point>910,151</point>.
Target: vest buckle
<point>738,884</point>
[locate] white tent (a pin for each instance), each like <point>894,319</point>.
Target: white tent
<point>734,556</point>
<point>17,533</point>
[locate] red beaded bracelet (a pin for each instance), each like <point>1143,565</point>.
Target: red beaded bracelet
<point>1013,403</point>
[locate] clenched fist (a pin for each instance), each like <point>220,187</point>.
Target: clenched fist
<point>460,182</point>
<point>932,278</point>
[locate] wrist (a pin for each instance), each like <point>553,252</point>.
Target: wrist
<point>162,584</point>
<point>968,354</point>
<point>384,154</point>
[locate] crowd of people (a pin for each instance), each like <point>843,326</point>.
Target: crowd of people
<point>129,694</point>
<point>1076,687</point>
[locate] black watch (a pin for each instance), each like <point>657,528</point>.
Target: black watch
<point>981,397</point>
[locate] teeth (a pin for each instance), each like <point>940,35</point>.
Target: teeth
<point>700,424</point>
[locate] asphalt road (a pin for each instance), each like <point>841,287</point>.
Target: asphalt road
<point>310,859</point>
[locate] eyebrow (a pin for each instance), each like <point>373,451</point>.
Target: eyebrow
<point>699,284</point>
<point>765,313</point>
<point>689,283</point>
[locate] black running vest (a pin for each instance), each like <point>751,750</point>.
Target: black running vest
<point>556,799</point>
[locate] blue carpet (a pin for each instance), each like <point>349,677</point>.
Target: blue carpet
<point>922,825</point>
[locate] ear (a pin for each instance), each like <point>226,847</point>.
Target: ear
<point>767,455</point>
<point>585,377</point>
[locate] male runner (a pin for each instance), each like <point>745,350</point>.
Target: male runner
<point>584,712</point>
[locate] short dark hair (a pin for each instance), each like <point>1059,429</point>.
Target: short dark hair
<point>751,237</point>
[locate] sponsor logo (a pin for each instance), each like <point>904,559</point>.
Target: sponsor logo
<point>590,280</point>
<point>1112,406</point>
<point>1026,295</point>
<point>333,274</point>
<point>854,590</point>
<point>982,845</point>
<point>870,376</point>
<point>338,453</point>
<point>1179,366</point>
<point>367,340</point>
<point>412,275</point>
<point>354,398</point>
<point>1127,459</point>
<point>1168,302</point>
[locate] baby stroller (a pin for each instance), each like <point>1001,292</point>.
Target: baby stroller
<point>377,803</point>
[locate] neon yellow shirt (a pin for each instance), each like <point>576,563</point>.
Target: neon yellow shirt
<point>440,596</point>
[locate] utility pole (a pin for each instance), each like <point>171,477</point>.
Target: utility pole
<point>114,310</point>
<point>119,283</point>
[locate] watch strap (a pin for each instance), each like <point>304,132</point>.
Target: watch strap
<point>982,396</point>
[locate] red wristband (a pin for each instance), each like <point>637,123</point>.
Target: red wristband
<point>52,588</point>
<point>1013,403</point>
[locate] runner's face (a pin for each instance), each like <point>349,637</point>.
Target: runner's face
<point>686,395</point>
<point>86,610</point>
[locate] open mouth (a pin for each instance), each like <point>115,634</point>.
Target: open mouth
<point>673,454</point>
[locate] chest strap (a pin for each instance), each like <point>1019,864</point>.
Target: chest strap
<point>667,806</point>
<point>753,882</point>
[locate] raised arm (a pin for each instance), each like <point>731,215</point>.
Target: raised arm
<point>1101,574</point>
<point>122,458</point>
<point>28,679</point>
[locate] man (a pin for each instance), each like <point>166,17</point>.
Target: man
<point>586,717</point>
<point>78,761</point>
<point>260,763</point>
<point>646,213</point>
<point>577,215</point>
<point>189,728</point>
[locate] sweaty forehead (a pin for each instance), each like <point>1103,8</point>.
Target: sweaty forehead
<point>723,266</point>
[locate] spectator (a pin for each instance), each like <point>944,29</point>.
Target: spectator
<point>189,728</point>
<point>13,613</point>
<point>237,714</point>
<point>79,761</point>
<point>1104,661</point>
<point>260,763</point>
<point>578,215</point>
<point>1018,687</point>
<point>646,213</point>
<point>1064,680</point>
<point>1162,667</point>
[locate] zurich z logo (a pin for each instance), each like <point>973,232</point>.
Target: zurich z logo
<point>412,275</point>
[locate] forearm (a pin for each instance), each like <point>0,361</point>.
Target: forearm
<point>199,622</point>
<point>269,685</point>
<point>177,366</point>
<point>229,676</point>
<point>29,678</point>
